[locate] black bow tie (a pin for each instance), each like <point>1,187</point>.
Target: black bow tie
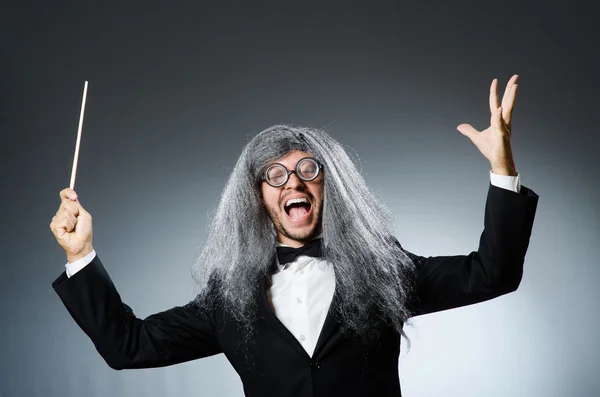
<point>289,254</point>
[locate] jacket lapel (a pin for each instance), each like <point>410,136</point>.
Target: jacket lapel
<point>329,330</point>
<point>267,315</point>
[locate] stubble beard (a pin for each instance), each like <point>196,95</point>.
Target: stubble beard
<point>274,214</point>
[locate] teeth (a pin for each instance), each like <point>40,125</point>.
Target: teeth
<point>296,200</point>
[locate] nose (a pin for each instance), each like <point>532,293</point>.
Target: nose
<point>294,182</point>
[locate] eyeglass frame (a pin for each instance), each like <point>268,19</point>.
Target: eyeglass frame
<point>294,171</point>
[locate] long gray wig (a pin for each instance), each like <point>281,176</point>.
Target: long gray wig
<point>373,274</point>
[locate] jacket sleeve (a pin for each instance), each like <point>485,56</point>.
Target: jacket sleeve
<point>125,341</point>
<point>496,268</point>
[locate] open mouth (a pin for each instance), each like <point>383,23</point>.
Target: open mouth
<point>298,208</point>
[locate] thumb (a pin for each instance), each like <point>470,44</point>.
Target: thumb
<point>467,130</point>
<point>82,210</point>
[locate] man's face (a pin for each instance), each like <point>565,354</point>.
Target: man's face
<point>298,221</point>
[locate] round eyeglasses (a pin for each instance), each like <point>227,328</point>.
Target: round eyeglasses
<point>307,169</point>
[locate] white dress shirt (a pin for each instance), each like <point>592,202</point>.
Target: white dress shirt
<point>300,294</point>
<point>301,291</point>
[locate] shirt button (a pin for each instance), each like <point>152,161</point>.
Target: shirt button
<point>301,271</point>
<point>302,338</point>
<point>299,300</point>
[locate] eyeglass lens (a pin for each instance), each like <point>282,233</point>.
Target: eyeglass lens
<point>306,169</point>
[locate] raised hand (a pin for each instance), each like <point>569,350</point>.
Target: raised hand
<point>494,141</point>
<point>72,226</point>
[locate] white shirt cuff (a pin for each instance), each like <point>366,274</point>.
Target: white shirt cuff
<point>512,183</point>
<point>79,264</point>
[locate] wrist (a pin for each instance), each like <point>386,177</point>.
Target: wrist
<point>506,168</point>
<point>84,252</point>
<point>506,171</point>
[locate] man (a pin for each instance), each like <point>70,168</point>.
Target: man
<point>302,285</point>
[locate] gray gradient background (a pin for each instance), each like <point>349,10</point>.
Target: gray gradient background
<point>175,93</point>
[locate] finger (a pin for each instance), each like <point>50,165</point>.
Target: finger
<point>497,122</point>
<point>467,130</point>
<point>496,119</point>
<point>62,225</point>
<point>510,104</point>
<point>508,92</point>
<point>80,209</point>
<point>68,194</point>
<point>69,207</point>
<point>70,217</point>
<point>494,96</point>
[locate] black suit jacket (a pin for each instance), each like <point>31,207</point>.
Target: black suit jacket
<point>275,364</point>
